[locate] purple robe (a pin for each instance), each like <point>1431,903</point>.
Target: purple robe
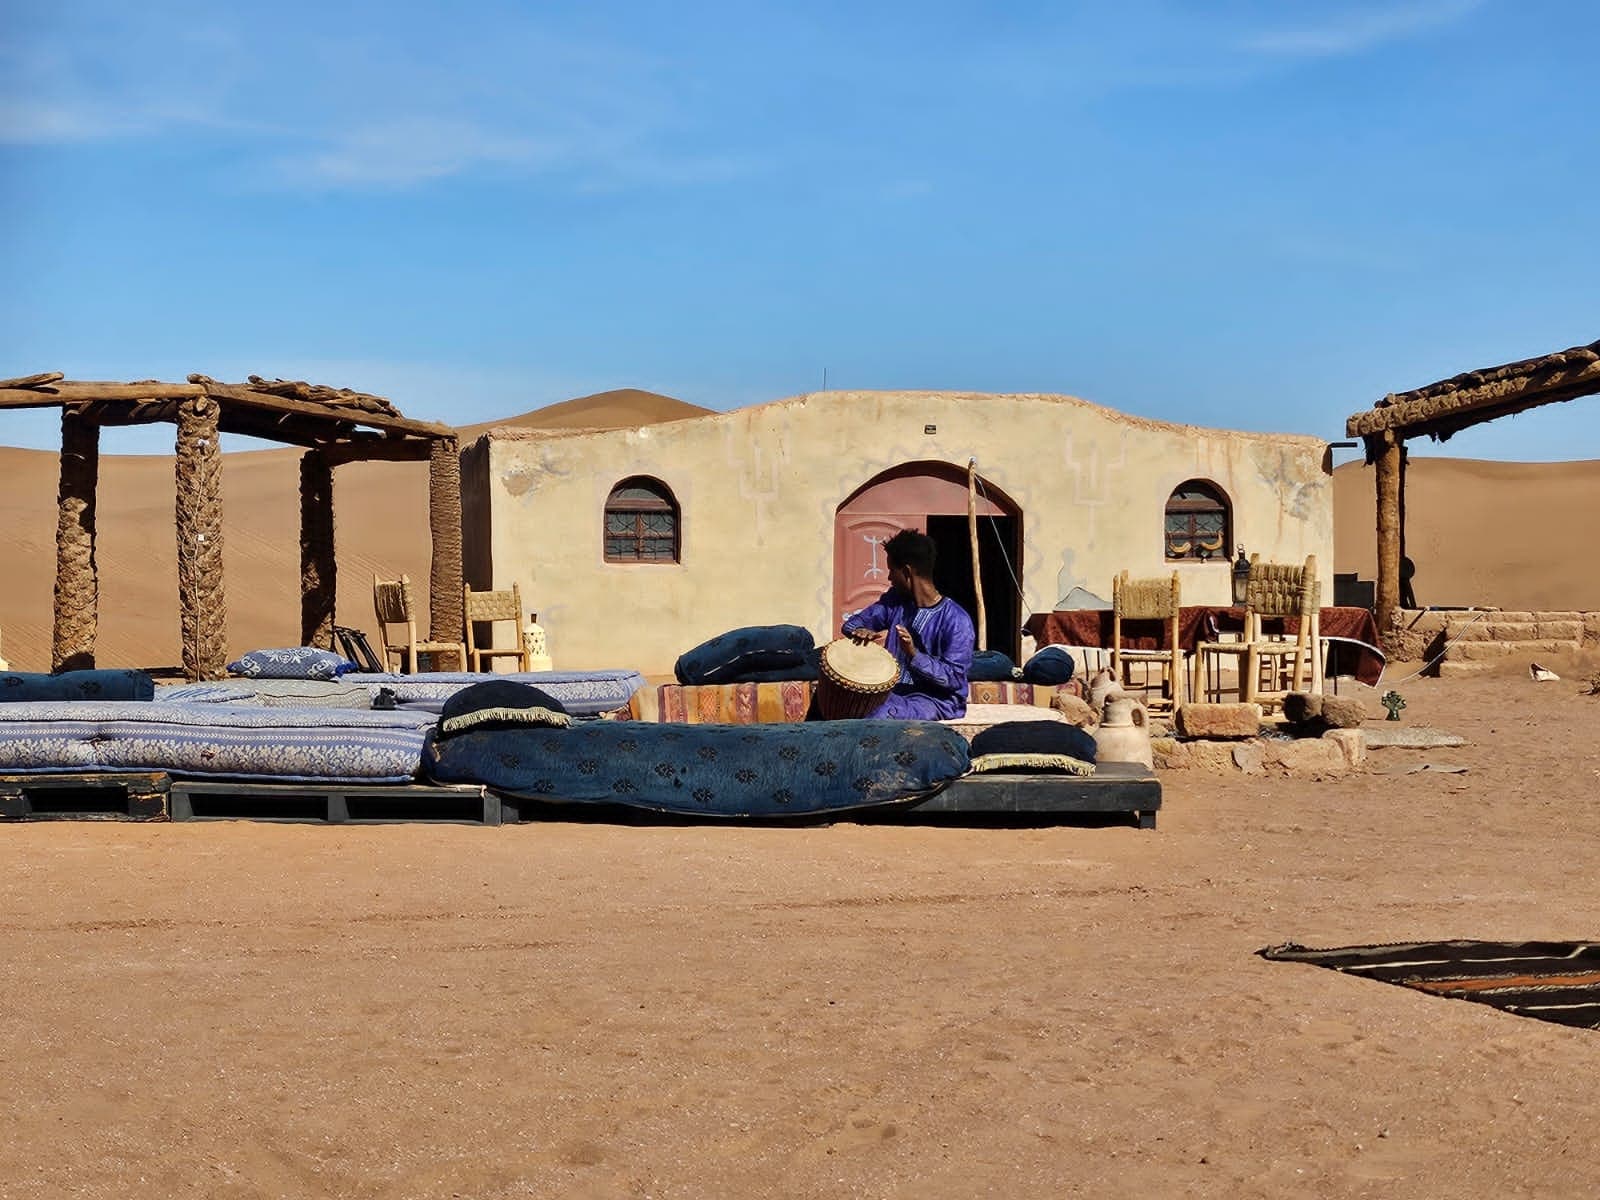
<point>933,680</point>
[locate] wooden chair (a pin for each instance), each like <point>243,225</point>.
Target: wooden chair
<point>1149,600</point>
<point>393,604</point>
<point>493,608</point>
<point>1271,666</point>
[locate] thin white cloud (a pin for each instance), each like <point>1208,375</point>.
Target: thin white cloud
<point>1361,30</point>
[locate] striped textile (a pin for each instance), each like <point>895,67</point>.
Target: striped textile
<point>1553,981</point>
<point>760,703</point>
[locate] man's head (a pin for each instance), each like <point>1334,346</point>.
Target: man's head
<point>911,557</point>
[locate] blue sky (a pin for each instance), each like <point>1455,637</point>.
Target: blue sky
<point>1238,213</point>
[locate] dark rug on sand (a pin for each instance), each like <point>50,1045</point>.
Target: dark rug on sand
<point>1553,981</point>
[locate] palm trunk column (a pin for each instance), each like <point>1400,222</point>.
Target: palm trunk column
<point>318,565</point>
<point>77,594</point>
<point>446,604</point>
<point>202,603</point>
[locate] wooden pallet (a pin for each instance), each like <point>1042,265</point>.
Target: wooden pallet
<point>87,796</point>
<point>333,804</point>
<point>1113,788</point>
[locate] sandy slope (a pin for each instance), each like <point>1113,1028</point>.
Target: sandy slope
<point>381,510</point>
<point>1508,534</point>
<point>1514,535</point>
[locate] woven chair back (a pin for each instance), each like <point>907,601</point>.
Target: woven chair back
<point>1281,590</point>
<point>391,598</point>
<point>1146,599</point>
<point>493,606</point>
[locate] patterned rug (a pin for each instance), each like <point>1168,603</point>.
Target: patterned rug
<point>1553,981</point>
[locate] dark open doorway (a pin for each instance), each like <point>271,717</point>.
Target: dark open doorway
<point>999,559</point>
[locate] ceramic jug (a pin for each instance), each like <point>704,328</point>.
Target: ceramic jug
<point>1123,735</point>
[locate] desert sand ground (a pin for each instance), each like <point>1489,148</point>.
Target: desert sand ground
<point>883,1010</point>
<point>1500,534</point>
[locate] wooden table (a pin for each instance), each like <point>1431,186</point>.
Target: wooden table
<point>1203,622</point>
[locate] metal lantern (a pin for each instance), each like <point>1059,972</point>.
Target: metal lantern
<point>1241,577</point>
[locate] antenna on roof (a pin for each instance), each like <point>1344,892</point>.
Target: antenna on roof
<point>824,378</point>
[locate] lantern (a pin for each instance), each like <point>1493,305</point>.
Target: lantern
<point>1241,577</point>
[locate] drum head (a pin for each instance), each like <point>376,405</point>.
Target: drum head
<point>863,668</point>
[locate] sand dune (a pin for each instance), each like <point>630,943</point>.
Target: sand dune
<point>381,514</point>
<point>1512,535</point>
<point>1508,534</point>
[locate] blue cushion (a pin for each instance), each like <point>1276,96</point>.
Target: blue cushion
<point>777,770</point>
<point>1033,745</point>
<point>730,657</point>
<point>77,685</point>
<point>500,704</point>
<point>991,666</point>
<point>1053,664</point>
<point>291,662</point>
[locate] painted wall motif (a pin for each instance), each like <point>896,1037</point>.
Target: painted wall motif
<point>758,489</point>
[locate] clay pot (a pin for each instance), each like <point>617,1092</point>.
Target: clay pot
<point>1123,734</point>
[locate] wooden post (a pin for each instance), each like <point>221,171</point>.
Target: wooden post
<point>318,566</point>
<point>77,594</point>
<point>446,604</point>
<point>972,534</point>
<point>1384,450</point>
<point>202,603</point>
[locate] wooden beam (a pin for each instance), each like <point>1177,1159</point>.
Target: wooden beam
<point>77,392</point>
<point>77,594</point>
<point>32,381</point>
<point>1473,404</point>
<point>270,403</point>
<point>356,449</point>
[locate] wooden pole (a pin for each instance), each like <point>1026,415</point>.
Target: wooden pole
<point>202,604</point>
<point>318,565</point>
<point>77,594</point>
<point>1385,451</point>
<point>972,534</point>
<point>446,602</point>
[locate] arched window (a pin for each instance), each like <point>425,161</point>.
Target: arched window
<point>641,522</point>
<point>1199,521</point>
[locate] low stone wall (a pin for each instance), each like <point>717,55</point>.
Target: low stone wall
<point>1470,640</point>
<point>1335,752</point>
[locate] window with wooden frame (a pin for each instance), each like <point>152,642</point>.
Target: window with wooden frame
<point>1199,522</point>
<point>642,521</point>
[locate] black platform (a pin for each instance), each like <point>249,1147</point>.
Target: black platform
<point>1114,788</point>
<point>138,796</point>
<point>333,804</point>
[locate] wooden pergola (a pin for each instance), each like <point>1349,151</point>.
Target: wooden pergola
<point>1445,408</point>
<point>335,425</point>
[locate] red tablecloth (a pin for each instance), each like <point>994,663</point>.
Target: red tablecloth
<point>1092,627</point>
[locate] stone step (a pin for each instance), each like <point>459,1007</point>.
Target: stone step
<point>1459,669</point>
<point>1468,651</point>
<point>1515,631</point>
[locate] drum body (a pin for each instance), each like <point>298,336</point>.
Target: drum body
<point>854,679</point>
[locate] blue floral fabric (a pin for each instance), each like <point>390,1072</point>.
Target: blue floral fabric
<point>1052,665</point>
<point>732,657</point>
<point>778,770</point>
<point>991,666</point>
<point>291,662</point>
<point>212,740</point>
<point>19,686</point>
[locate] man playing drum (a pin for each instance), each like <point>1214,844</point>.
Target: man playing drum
<point>931,635</point>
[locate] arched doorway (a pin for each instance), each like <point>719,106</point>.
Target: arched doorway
<point>931,497</point>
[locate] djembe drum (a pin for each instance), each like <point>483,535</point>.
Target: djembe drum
<point>854,679</point>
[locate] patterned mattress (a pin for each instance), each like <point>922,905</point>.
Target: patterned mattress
<point>234,741</point>
<point>582,693</point>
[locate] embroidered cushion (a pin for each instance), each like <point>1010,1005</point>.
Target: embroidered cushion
<point>1053,664</point>
<point>731,656</point>
<point>291,662</point>
<point>500,704</point>
<point>1034,746</point>
<point>991,666</point>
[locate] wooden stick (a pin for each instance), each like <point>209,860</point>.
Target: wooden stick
<point>972,533</point>
<point>29,381</point>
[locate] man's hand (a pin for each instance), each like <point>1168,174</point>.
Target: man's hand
<point>862,636</point>
<point>906,644</point>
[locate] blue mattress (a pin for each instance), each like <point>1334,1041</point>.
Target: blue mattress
<point>776,770</point>
<point>228,741</point>
<point>582,693</point>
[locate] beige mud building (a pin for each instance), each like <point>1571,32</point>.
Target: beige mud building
<point>634,544</point>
